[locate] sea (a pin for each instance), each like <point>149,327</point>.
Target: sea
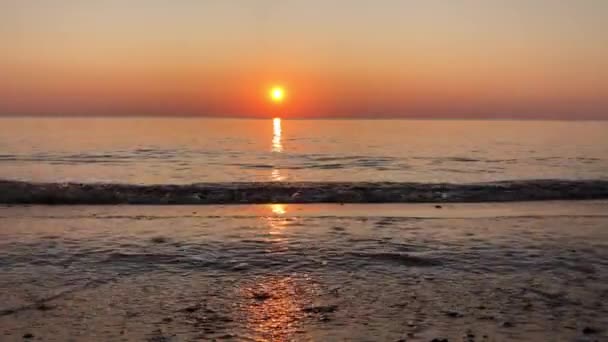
<point>312,230</point>
<point>195,150</point>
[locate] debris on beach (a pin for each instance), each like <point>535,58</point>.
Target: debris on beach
<point>261,296</point>
<point>590,330</point>
<point>320,308</point>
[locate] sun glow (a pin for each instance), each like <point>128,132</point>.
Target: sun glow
<point>277,94</point>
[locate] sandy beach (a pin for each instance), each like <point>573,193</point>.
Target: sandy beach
<point>533,271</point>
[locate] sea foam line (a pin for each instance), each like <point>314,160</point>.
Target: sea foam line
<point>16,192</point>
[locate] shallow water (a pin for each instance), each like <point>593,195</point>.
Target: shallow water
<point>278,272</point>
<point>184,151</point>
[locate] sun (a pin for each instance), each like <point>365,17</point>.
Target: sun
<point>277,94</point>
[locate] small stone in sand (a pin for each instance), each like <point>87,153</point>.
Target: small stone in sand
<point>159,239</point>
<point>261,295</point>
<point>321,309</point>
<point>131,314</point>
<point>438,207</point>
<point>191,309</point>
<point>589,331</point>
<point>439,340</point>
<point>28,335</point>
<point>507,324</point>
<point>453,314</point>
<point>43,307</point>
<point>240,267</point>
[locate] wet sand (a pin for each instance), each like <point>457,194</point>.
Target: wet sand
<point>385,272</point>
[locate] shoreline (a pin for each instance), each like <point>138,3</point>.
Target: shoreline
<point>421,211</point>
<point>18,192</point>
<point>465,271</point>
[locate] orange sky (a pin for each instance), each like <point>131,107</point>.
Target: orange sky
<point>340,58</point>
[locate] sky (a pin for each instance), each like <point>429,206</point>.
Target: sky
<point>535,59</point>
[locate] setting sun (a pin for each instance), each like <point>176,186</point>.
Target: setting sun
<point>277,94</point>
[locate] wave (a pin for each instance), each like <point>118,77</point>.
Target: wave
<point>17,192</point>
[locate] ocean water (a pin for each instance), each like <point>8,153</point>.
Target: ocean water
<point>193,150</point>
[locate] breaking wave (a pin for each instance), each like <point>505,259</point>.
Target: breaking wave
<point>15,192</point>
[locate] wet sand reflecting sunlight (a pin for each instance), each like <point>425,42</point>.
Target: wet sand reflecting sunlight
<point>276,308</point>
<point>276,304</point>
<point>278,272</point>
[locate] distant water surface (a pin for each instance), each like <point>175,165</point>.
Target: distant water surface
<point>162,150</point>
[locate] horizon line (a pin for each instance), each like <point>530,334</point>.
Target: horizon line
<point>329,117</point>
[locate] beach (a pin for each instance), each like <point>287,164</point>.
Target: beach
<point>304,170</point>
<point>535,271</point>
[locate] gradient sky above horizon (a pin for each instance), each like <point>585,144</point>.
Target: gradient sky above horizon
<point>349,58</point>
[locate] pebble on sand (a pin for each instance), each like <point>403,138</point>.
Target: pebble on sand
<point>159,239</point>
<point>191,309</point>
<point>43,307</point>
<point>321,309</point>
<point>453,314</point>
<point>261,296</point>
<point>507,324</point>
<point>589,330</point>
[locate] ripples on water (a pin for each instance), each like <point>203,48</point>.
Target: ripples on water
<point>279,273</point>
<point>164,151</point>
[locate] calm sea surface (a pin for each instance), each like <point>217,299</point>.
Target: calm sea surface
<point>160,151</point>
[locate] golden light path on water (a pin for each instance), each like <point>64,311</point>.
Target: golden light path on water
<point>277,317</point>
<point>278,209</point>
<point>277,147</point>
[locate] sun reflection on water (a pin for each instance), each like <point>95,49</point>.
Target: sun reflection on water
<point>277,145</point>
<point>277,222</point>
<point>276,175</point>
<point>278,209</point>
<point>275,305</point>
